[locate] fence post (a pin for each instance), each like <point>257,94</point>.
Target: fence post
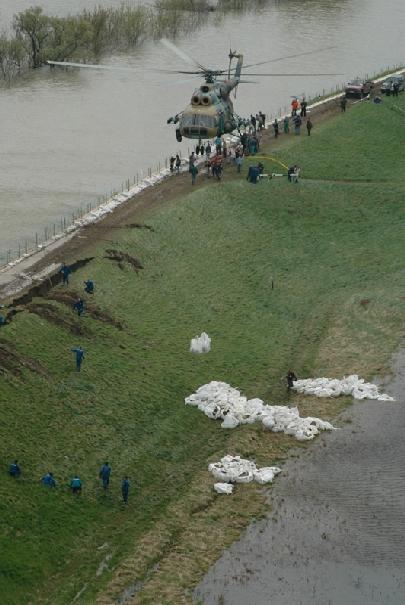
<point>36,240</point>
<point>19,251</point>
<point>26,247</point>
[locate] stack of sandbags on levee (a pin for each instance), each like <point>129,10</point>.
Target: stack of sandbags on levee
<point>220,400</point>
<point>333,387</point>
<point>234,469</point>
<point>200,344</point>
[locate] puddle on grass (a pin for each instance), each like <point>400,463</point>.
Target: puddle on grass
<point>336,534</point>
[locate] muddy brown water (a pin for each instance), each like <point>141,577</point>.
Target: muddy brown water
<point>336,534</point>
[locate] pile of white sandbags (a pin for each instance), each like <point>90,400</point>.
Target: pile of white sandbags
<point>234,469</point>
<point>220,400</point>
<point>332,387</point>
<point>200,344</point>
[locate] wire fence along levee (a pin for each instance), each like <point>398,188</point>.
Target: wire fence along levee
<point>92,211</point>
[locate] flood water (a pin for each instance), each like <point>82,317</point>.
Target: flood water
<point>69,137</point>
<point>336,535</point>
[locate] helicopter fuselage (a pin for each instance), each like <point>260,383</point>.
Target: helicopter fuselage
<point>210,112</point>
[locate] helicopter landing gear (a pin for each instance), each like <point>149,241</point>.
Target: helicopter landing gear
<point>179,138</point>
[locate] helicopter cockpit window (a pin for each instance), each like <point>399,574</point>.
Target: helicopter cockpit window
<point>197,119</point>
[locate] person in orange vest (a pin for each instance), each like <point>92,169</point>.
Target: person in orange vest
<point>294,106</point>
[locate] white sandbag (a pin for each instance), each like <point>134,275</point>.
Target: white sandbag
<point>223,488</point>
<point>266,474</point>
<point>200,344</point>
<point>218,400</point>
<point>234,469</point>
<point>333,387</point>
<point>230,422</point>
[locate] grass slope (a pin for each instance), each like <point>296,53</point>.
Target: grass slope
<point>333,250</point>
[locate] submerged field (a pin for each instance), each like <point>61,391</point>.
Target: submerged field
<point>333,247</point>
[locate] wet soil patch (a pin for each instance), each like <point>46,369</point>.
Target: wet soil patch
<point>52,315</point>
<point>68,297</point>
<point>365,302</point>
<point>121,258</point>
<point>140,226</point>
<point>14,362</point>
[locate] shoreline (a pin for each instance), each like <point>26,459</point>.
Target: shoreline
<point>35,266</point>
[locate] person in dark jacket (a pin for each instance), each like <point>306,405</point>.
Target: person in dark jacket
<point>304,106</point>
<point>253,174</point>
<point>66,271</point>
<point>291,378</point>
<point>14,469</point>
<point>309,126</point>
<point>104,475</point>
<point>125,485</point>
<point>275,128</point>
<point>79,357</point>
<point>48,480</point>
<point>79,306</point>
<point>343,103</point>
<point>89,286</point>
<point>76,485</point>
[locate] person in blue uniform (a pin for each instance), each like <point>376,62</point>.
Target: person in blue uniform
<point>48,480</point>
<point>104,475</point>
<point>66,271</point>
<point>79,306</point>
<point>125,484</point>
<point>89,286</point>
<point>79,357</point>
<point>76,485</point>
<point>14,469</point>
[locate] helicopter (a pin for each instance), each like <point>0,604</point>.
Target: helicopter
<point>210,112</point>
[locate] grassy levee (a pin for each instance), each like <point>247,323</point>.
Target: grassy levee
<point>333,247</point>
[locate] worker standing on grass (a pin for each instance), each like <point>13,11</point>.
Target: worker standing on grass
<point>125,485</point>
<point>79,357</point>
<point>253,174</point>
<point>66,271</point>
<point>286,124</point>
<point>309,126</point>
<point>343,103</point>
<point>76,485</point>
<point>291,378</point>
<point>48,480</point>
<point>104,474</point>
<point>14,469</point>
<point>275,128</point>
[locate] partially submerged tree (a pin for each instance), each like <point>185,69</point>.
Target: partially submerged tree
<point>35,27</point>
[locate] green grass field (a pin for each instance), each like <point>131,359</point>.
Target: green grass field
<point>333,247</point>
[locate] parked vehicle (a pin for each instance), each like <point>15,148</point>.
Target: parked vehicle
<point>386,85</point>
<point>358,88</point>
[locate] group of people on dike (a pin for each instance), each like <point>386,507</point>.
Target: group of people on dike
<point>75,484</point>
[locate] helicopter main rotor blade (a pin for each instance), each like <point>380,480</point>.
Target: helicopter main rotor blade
<point>309,52</point>
<point>92,66</point>
<point>290,75</point>
<point>180,53</point>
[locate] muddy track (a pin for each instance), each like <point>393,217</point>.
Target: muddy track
<point>122,258</point>
<point>69,297</point>
<point>14,362</point>
<point>51,314</point>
